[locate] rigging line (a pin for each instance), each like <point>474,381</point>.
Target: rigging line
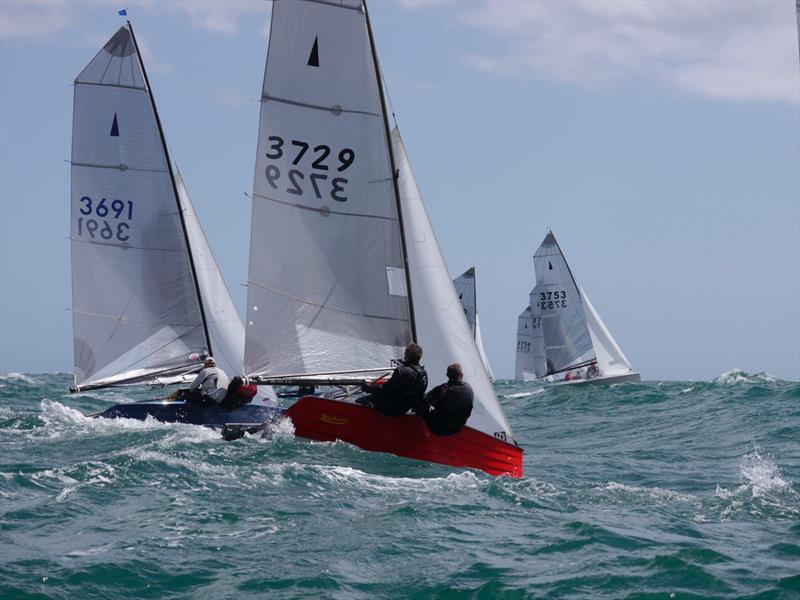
<point>322,210</point>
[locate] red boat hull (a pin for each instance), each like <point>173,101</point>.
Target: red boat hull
<point>330,420</point>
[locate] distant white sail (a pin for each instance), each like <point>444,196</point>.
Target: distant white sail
<point>327,285</point>
<point>610,359</point>
<point>442,328</point>
<point>566,335</point>
<point>467,293</point>
<point>136,310</point>
<point>524,368</point>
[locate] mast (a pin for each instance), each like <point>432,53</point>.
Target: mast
<point>394,174</point>
<point>174,191</point>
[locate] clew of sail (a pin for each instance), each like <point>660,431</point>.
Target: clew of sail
<point>327,284</point>
<point>135,305</point>
<point>568,343</point>
<point>467,294</point>
<point>443,330</point>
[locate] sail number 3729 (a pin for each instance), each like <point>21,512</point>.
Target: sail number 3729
<point>320,179</point>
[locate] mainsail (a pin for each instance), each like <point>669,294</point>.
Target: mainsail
<point>136,307</point>
<point>327,283</point>
<point>567,341</point>
<point>345,269</point>
<point>531,360</point>
<point>466,290</point>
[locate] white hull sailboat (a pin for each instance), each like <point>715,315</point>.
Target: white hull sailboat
<point>148,300</point>
<point>465,288</point>
<point>560,337</point>
<point>345,269</point>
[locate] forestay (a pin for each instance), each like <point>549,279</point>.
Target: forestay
<point>327,286</point>
<point>442,327</point>
<point>467,293</point>
<point>136,311</point>
<point>566,335</point>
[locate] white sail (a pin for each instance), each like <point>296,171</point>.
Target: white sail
<point>224,324</point>
<point>481,349</point>
<point>467,294</point>
<point>610,359</point>
<point>443,331</point>
<point>566,335</point>
<point>135,305</point>
<point>327,286</point>
<point>524,369</point>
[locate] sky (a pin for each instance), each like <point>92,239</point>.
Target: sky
<point>660,141</point>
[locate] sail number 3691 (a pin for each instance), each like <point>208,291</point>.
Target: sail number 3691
<point>116,226</point>
<point>321,169</point>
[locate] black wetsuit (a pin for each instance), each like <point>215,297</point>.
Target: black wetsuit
<point>404,391</point>
<point>452,405</point>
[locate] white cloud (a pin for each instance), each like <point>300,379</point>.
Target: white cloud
<point>219,16</point>
<point>23,20</point>
<point>733,50</point>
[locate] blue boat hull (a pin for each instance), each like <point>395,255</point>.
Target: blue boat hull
<point>194,413</point>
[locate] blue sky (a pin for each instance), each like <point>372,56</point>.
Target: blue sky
<point>659,140</point>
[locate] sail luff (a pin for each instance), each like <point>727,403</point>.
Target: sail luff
<point>175,191</point>
<point>392,163</point>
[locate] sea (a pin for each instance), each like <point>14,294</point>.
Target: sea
<point>667,489</point>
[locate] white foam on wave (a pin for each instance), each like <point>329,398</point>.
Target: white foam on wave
<point>735,376</point>
<point>282,430</point>
<point>761,474</point>
<point>533,392</point>
<point>60,420</point>
<point>72,477</point>
<point>13,376</point>
<point>382,484</point>
<point>655,494</point>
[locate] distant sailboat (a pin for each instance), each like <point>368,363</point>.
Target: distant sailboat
<point>148,298</point>
<point>345,269</point>
<point>560,332</point>
<point>465,288</point>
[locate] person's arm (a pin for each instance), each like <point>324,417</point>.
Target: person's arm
<point>198,381</point>
<point>435,395</point>
<point>387,388</point>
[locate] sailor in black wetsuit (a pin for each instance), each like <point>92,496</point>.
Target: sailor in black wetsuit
<point>450,403</point>
<point>404,391</point>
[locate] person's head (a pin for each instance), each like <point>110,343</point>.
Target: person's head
<point>454,372</point>
<point>209,362</point>
<point>413,353</point>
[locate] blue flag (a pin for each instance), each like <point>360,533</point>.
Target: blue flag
<point>123,13</point>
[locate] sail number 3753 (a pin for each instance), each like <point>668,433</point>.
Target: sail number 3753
<point>105,220</point>
<point>320,178</point>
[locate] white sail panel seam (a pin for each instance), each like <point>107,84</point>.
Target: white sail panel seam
<point>119,167</point>
<point>336,109</point>
<point>116,85</point>
<point>323,306</point>
<point>324,211</point>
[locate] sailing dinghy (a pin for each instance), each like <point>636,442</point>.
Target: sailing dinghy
<point>148,300</point>
<point>560,336</point>
<point>465,288</point>
<point>345,269</point>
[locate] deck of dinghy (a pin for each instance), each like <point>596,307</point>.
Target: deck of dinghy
<point>330,420</point>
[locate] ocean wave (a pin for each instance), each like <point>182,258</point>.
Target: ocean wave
<point>525,394</point>
<point>15,377</point>
<point>735,376</point>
